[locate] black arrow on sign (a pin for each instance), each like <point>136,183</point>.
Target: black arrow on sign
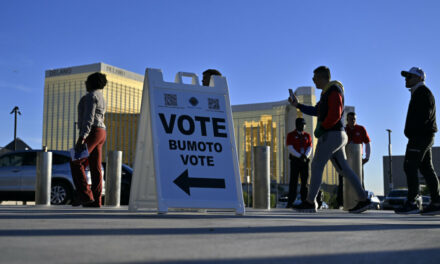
<point>185,183</point>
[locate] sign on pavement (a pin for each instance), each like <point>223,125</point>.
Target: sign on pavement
<point>186,155</point>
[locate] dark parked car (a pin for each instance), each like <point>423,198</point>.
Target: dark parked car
<point>396,198</point>
<point>18,175</point>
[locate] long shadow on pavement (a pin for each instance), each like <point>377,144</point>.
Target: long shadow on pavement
<point>406,256</point>
<point>34,213</point>
<point>209,230</point>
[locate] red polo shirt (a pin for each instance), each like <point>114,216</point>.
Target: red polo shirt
<point>357,135</point>
<point>299,141</point>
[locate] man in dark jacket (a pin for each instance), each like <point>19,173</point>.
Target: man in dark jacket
<point>420,128</point>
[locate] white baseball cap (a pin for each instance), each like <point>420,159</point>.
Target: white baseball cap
<point>414,71</point>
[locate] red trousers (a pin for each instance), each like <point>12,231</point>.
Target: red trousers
<point>94,141</point>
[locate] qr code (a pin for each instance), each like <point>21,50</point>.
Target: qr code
<point>170,99</point>
<point>213,104</point>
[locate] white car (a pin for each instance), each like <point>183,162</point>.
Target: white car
<point>18,175</point>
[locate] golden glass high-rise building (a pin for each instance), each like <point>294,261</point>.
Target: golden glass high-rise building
<point>63,89</point>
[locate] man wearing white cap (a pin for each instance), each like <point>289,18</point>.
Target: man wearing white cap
<point>420,127</point>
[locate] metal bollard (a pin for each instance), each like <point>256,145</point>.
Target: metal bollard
<point>44,178</point>
<point>261,180</point>
<point>354,159</point>
<point>113,179</point>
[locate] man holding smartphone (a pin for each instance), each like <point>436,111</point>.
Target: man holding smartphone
<point>331,140</point>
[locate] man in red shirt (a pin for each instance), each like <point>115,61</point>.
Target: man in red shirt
<point>357,134</point>
<point>299,145</point>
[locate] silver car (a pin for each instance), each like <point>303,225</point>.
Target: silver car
<point>18,175</point>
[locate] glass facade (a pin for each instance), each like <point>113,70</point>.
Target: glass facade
<point>63,89</point>
<point>260,128</point>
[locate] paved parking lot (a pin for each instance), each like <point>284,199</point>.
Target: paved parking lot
<point>30,234</point>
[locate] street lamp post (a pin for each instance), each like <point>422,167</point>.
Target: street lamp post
<point>15,111</point>
<point>390,171</point>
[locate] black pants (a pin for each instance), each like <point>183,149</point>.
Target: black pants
<point>340,194</point>
<point>418,156</point>
<point>298,167</point>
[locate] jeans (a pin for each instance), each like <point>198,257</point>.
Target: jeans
<point>331,147</point>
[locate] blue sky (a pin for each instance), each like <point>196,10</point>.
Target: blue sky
<point>262,47</point>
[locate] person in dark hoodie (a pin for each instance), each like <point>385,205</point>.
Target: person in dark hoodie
<point>331,140</point>
<point>420,127</point>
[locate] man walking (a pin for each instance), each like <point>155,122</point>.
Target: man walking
<point>331,139</point>
<point>299,145</point>
<point>420,127</point>
<point>357,134</point>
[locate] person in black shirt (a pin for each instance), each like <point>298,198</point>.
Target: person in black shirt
<point>420,127</point>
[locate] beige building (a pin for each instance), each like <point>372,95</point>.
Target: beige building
<point>63,89</point>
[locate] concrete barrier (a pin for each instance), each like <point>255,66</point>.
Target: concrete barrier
<point>354,159</point>
<point>113,179</point>
<point>44,178</point>
<point>261,180</point>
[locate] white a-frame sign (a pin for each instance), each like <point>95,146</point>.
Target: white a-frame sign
<point>186,155</point>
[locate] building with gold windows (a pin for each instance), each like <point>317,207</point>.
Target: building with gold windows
<point>63,89</point>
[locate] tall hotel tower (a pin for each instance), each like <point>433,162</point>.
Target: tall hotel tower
<point>63,89</point>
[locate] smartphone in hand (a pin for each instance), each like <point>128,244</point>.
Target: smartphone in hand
<point>292,96</point>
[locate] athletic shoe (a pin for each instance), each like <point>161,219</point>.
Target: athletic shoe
<point>409,207</point>
<point>431,209</point>
<point>305,207</point>
<point>361,207</point>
